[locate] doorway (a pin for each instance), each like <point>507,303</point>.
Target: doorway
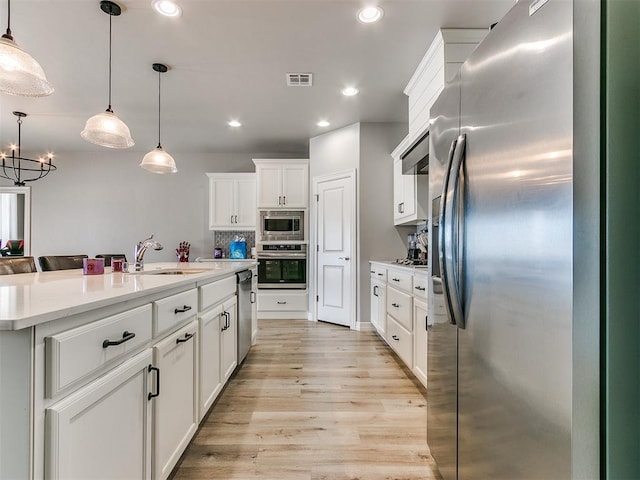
<point>335,240</point>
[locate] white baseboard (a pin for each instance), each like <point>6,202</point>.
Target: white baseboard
<point>365,327</point>
<point>282,315</point>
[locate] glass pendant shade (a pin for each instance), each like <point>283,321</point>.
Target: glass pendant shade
<point>159,161</point>
<point>20,74</point>
<point>107,130</point>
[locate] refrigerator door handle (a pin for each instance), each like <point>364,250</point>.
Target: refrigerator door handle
<point>451,235</point>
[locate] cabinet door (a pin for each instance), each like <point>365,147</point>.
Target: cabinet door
<point>104,429</point>
<point>420,340</point>
<point>210,374</point>
<point>229,341</point>
<point>254,307</point>
<point>398,191</point>
<point>269,187</point>
<point>295,186</point>
<point>221,207</point>
<point>245,201</point>
<point>379,311</point>
<point>175,412</point>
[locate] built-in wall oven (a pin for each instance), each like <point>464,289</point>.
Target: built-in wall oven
<point>282,266</point>
<point>281,225</point>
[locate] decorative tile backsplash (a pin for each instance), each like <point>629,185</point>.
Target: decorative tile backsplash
<point>223,239</point>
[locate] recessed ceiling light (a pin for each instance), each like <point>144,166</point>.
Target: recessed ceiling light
<point>167,8</point>
<point>234,123</point>
<point>370,14</point>
<point>350,91</point>
<point>323,123</point>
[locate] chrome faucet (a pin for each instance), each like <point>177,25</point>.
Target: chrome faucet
<point>141,248</point>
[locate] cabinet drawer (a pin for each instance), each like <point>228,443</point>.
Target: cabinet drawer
<point>400,280</point>
<point>77,352</point>
<point>378,272</point>
<point>401,341</point>
<point>400,307</point>
<point>420,286</point>
<point>171,311</point>
<point>215,292</point>
<point>282,302</point>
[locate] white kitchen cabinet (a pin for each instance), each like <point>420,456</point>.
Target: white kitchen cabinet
<point>175,409</point>
<point>210,324</point>
<point>401,340</point>
<point>103,430</point>
<point>379,306</point>
<point>229,339</point>
<point>283,304</point>
<point>420,340</point>
<point>282,183</point>
<point>410,194</point>
<point>232,201</point>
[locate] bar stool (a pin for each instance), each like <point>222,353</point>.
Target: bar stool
<point>61,262</point>
<point>11,265</point>
<point>108,256</point>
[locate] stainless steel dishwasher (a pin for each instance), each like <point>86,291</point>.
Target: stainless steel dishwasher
<point>244,313</point>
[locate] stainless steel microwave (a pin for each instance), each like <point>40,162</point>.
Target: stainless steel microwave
<point>281,225</point>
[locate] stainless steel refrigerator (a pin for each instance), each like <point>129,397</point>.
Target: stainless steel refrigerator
<point>500,172</point>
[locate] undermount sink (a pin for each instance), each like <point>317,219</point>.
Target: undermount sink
<point>170,272</point>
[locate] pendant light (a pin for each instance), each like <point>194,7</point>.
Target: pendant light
<point>20,74</point>
<point>106,129</point>
<point>157,160</point>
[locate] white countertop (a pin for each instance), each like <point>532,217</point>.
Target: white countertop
<point>29,299</point>
<point>410,268</point>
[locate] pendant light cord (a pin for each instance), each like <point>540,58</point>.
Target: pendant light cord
<point>110,18</point>
<point>8,34</point>
<point>159,146</point>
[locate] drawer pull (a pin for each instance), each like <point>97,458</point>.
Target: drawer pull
<point>185,308</point>
<point>421,289</point>
<point>395,279</point>
<point>126,336</point>
<point>372,271</point>
<point>395,338</point>
<point>157,370</point>
<point>187,337</point>
<point>282,303</point>
<point>380,274</point>
<point>395,305</point>
<point>226,321</point>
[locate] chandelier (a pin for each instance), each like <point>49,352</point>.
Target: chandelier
<point>20,169</point>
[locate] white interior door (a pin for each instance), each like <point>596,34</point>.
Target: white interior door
<point>336,233</point>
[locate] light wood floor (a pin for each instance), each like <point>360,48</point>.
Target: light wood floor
<point>314,401</point>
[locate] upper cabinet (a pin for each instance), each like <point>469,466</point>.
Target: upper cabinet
<point>282,183</point>
<point>448,51</point>
<point>232,201</point>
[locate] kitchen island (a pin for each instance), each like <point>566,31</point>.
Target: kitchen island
<point>109,375</point>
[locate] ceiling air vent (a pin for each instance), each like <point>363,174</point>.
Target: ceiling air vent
<point>299,79</point>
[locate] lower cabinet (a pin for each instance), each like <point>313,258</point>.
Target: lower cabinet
<point>210,377</point>
<point>379,307</point>
<point>401,340</point>
<point>229,339</point>
<point>175,409</point>
<point>103,430</point>
<point>420,340</point>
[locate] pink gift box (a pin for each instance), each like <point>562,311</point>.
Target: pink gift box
<point>93,266</point>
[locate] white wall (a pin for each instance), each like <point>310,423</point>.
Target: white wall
<point>104,203</point>
<point>366,147</point>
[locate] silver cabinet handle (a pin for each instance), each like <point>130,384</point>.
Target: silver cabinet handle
<point>344,258</point>
<point>252,297</point>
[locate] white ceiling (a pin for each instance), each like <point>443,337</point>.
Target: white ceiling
<point>228,59</point>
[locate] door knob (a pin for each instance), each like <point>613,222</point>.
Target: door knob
<point>344,258</point>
